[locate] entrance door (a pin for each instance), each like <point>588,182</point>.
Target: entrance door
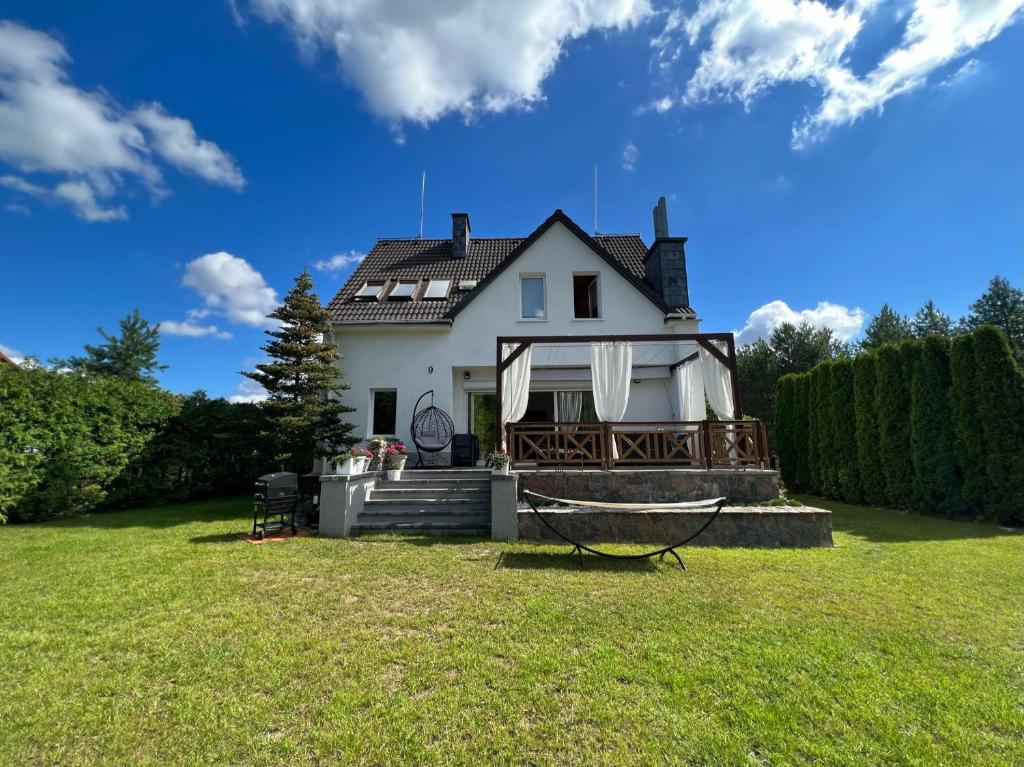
<point>482,412</point>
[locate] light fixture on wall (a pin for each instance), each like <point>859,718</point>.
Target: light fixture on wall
<point>636,380</point>
<point>430,369</point>
<point>465,375</point>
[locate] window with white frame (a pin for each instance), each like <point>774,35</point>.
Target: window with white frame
<point>383,411</point>
<point>532,297</point>
<point>369,291</point>
<point>585,297</point>
<point>437,289</point>
<point>403,291</point>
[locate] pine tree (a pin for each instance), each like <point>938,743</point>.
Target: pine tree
<point>930,320</point>
<point>758,372</point>
<point>799,348</point>
<point>303,381</point>
<point>937,486</point>
<point>892,401</point>
<point>967,428</point>
<point>1000,398</point>
<point>1001,305</point>
<point>131,356</point>
<point>886,327</point>
<point>869,462</point>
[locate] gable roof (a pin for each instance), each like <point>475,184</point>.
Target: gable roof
<point>486,258</point>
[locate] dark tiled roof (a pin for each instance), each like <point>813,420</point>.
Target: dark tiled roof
<point>411,259</point>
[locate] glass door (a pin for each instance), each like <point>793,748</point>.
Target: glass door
<point>482,413</point>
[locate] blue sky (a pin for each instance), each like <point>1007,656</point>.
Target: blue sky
<point>190,164</point>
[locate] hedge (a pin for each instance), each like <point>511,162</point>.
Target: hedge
<point>927,425</point>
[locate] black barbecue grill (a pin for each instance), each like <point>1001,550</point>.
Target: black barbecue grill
<point>275,498</point>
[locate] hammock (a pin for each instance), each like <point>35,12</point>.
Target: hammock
<point>579,548</point>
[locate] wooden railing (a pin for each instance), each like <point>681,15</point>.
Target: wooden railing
<point>695,444</point>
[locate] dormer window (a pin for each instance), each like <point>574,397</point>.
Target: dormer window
<point>403,291</point>
<point>369,292</point>
<point>437,290</point>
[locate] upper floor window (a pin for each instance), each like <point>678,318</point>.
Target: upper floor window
<point>369,291</point>
<point>532,298</point>
<point>403,291</point>
<point>384,404</point>
<point>585,297</point>
<point>437,289</point>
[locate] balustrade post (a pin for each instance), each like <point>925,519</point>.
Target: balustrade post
<point>608,438</point>
<point>705,436</point>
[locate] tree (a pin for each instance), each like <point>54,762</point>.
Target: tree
<point>1000,409</point>
<point>131,356</point>
<point>800,431</point>
<point>1001,305</point>
<point>892,402</point>
<point>785,414</point>
<point>967,428</point>
<point>758,370</point>
<point>937,486</point>
<point>886,327</point>
<point>844,439</point>
<point>303,382</point>
<point>825,458</point>
<point>800,347</point>
<point>930,320</point>
<point>869,462</point>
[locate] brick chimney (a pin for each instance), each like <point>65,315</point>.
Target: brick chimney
<point>665,266</point>
<point>460,235</point>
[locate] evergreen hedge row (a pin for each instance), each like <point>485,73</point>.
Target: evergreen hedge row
<point>929,425</point>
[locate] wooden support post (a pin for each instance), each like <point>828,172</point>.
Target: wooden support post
<point>734,375</point>
<point>609,460</point>
<point>705,435</point>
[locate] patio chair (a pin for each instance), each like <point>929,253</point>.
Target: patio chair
<point>579,548</point>
<point>432,429</point>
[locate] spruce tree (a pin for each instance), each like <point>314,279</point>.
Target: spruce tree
<point>930,320</point>
<point>130,356</point>
<point>937,485</point>
<point>1000,398</point>
<point>869,462</point>
<point>886,327</point>
<point>967,428</point>
<point>1001,305</point>
<point>303,382</point>
<point>892,400</point>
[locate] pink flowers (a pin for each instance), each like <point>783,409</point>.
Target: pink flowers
<point>395,448</point>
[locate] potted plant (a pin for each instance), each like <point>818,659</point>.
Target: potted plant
<point>498,460</point>
<point>394,459</point>
<point>377,452</point>
<point>350,462</point>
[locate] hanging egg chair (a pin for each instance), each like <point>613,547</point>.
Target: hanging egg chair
<point>432,429</point>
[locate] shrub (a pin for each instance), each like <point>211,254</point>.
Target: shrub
<point>892,401</point>
<point>784,423</point>
<point>1000,410</point>
<point>869,462</point>
<point>828,474</point>
<point>801,428</point>
<point>844,442</point>
<point>967,428</point>
<point>937,485</point>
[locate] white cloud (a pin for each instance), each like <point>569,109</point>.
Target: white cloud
<point>339,261</point>
<point>19,184</point>
<point>230,286</point>
<point>192,329</point>
<point>748,47</point>
<point>965,72</point>
<point>249,391</point>
<point>17,207</point>
<point>12,354</point>
<point>630,154</point>
<point>49,126</point>
<point>422,60</point>
<point>845,322</point>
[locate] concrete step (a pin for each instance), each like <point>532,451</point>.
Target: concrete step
<point>413,512</point>
<point>429,494</point>
<point>446,474</point>
<point>435,484</point>
<point>423,527</point>
<point>373,506</point>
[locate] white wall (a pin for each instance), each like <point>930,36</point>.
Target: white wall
<point>400,357</point>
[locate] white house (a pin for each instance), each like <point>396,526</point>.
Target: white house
<point>424,315</point>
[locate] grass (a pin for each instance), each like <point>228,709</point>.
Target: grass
<point>157,637</point>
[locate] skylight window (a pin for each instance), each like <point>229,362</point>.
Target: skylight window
<point>437,289</point>
<point>403,291</point>
<point>369,291</point>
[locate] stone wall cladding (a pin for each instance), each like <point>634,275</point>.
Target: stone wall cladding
<point>654,485</point>
<point>753,527</point>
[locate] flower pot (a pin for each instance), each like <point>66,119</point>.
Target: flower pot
<point>360,464</point>
<point>500,470</point>
<point>394,467</point>
<point>347,467</point>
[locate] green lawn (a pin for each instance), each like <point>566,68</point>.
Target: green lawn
<point>158,637</point>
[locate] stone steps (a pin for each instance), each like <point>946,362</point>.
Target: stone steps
<point>431,502</point>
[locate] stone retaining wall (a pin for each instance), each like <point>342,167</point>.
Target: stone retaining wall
<point>654,485</point>
<point>750,526</point>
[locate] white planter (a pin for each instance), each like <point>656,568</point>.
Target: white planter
<point>347,467</point>
<point>360,464</point>
<point>503,471</point>
<point>394,474</point>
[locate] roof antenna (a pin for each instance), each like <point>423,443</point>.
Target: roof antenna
<point>423,194</point>
<point>595,199</point>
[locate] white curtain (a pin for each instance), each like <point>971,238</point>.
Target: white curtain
<point>515,387</point>
<point>611,365</point>
<point>690,391</point>
<point>718,383</point>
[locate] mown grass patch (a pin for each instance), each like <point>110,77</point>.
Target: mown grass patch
<point>158,637</point>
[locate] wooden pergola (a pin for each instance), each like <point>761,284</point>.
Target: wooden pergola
<point>704,340</point>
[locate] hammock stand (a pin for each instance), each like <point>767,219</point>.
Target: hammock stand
<point>579,548</point>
